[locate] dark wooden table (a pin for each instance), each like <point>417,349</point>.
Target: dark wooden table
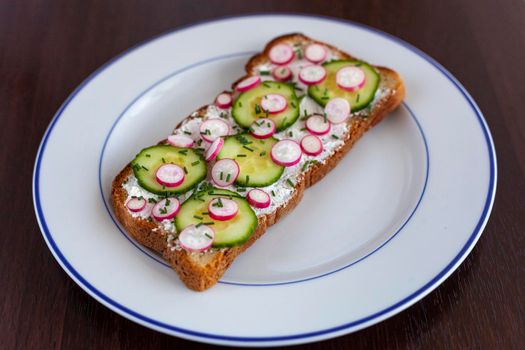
<point>48,47</point>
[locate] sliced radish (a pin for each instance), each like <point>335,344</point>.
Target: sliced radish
<point>214,149</point>
<point>224,100</point>
<point>225,172</point>
<point>248,83</point>
<point>212,129</point>
<point>282,73</point>
<point>311,145</point>
<point>136,204</point>
<point>350,78</point>
<point>337,110</point>
<point>263,128</point>
<point>274,103</point>
<point>183,141</point>
<point>166,209</point>
<point>196,239</point>
<point>317,124</point>
<point>170,175</point>
<point>223,209</point>
<point>286,153</point>
<point>281,54</point>
<point>258,198</point>
<point>315,53</point>
<point>311,75</point>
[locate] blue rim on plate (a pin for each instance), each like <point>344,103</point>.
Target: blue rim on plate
<point>404,303</point>
<point>157,259</point>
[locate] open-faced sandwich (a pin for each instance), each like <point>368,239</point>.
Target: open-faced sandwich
<point>236,166</point>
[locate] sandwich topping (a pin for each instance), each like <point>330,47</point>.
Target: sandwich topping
<point>242,156</point>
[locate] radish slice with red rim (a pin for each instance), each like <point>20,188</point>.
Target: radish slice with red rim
<point>317,124</point>
<point>281,54</point>
<point>258,198</point>
<point>286,153</point>
<point>183,141</point>
<point>222,209</point>
<point>311,145</point>
<point>350,78</point>
<point>315,53</point>
<point>196,239</point>
<point>225,172</point>
<point>274,103</point>
<point>282,73</point>
<point>312,75</point>
<point>170,175</point>
<point>224,100</point>
<point>165,209</point>
<point>212,129</point>
<point>214,149</point>
<point>248,83</point>
<point>263,128</point>
<point>337,110</point>
<point>136,204</point>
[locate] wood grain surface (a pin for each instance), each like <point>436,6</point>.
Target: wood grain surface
<point>48,47</point>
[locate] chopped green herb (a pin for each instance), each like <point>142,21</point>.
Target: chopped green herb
<point>195,162</point>
<point>187,132</point>
<point>335,137</point>
<point>290,182</point>
<point>257,109</point>
<point>198,217</point>
<point>264,72</point>
<point>152,200</point>
<point>265,84</point>
<point>290,133</point>
<point>221,175</point>
<point>168,202</point>
<point>239,104</point>
<point>143,167</point>
<point>247,179</point>
<point>240,189</point>
<point>228,177</point>
<point>293,104</point>
<point>200,223</point>
<point>324,117</point>
<point>263,153</point>
<point>207,235</point>
<point>357,98</point>
<point>163,160</point>
<point>273,193</point>
<point>185,170</point>
<point>148,155</point>
<point>208,223</point>
<point>164,210</point>
<point>241,155</point>
<point>248,148</point>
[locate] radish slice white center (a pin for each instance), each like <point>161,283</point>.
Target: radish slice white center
<point>258,198</point>
<point>317,125</point>
<point>311,75</point>
<point>281,54</point>
<point>225,172</point>
<point>315,53</point>
<point>274,103</point>
<point>214,149</point>
<point>286,153</point>
<point>248,83</point>
<point>223,100</point>
<point>311,145</point>
<point>212,129</point>
<point>165,209</point>
<point>350,78</point>
<point>263,128</point>
<point>223,209</point>
<point>170,175</point>
<point>183,141</point>
<point>282,73</point>
<point>196,239</point>
<point>337,110</point>
<point>136,204</point>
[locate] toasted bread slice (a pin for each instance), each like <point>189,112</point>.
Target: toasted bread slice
<point>200,271</point>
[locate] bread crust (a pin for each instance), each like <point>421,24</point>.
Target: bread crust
<point>201,271</point>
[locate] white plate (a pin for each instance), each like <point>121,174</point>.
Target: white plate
<point>388,225</point>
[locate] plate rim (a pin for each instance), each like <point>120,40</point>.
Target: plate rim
<point>269,340</point>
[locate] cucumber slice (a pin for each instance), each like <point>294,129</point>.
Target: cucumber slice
<point>328,89</point>
<point>247,107</point>
<point>228,233</point>
<point>147,162</point>
<point>257,168</point>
